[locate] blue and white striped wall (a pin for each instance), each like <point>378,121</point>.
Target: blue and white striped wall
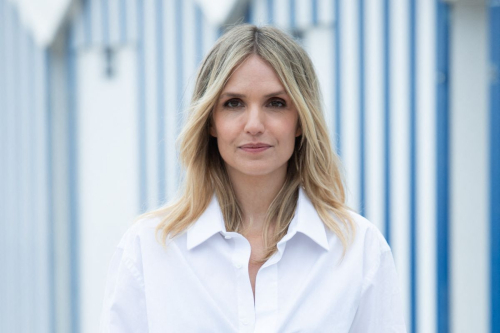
<point>94,144</point>
<point>25,205</point>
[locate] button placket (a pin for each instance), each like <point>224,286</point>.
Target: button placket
<point>240,258</point>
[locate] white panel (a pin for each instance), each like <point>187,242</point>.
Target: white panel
<point>326,12</point>
<point>150,64</point>
<point>108,175</point>
<point>469,225</point>
<point>350,99</point>
<point>426,166</point>
<point>282,13</point>
<point>171,96</point>
<point>321,54</point>
<point>400,146</point>
<point>374,113</point>
<point>303,14</point>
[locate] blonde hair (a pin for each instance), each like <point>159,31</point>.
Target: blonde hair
<point>313,164</point>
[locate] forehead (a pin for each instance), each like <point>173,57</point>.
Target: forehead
<point>253,73</point>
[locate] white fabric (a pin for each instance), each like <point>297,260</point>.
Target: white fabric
<point>199,282</point>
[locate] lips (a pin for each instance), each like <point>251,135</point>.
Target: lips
<point>255,147</point>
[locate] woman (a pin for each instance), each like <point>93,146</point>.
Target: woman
<point>260,238</point>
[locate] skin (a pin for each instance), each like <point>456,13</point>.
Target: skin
<point>255,123</point>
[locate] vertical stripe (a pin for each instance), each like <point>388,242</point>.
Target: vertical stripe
<point>123,22</point>
<point>16,98</point>
<point>314,12</point>
<point>179,62</point>
<point>72,154</point>
<point>105,21</point>
<point>270,11</point>
<point>34,302</point>
<point>3,169</point>
<point>199,38</point>
<point>50,196</point>
<point>293,18</point>
<point>249,13</point>
<point>160,106</point>
<point>87,23</point>
<point>362,108</point>
<point>413,165</point>
<point>494,28</point>
<point>443,168</point>
<point>387,121</point>
<point>141,123</point>
<point>337,74</point>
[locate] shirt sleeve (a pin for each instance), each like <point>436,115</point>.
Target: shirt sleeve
<point>124,306</point>
<point>380,307</point>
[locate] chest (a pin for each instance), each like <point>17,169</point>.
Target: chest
<point>296,290</point>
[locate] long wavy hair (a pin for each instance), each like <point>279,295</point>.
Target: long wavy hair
<point>313,164</point>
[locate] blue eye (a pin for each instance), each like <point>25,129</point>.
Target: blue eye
<point>277,103</point>
<point>233,103</point>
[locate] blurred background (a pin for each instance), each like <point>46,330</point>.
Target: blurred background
<point>92,94</point>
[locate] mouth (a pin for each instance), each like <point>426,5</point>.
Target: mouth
<point>255,147</point>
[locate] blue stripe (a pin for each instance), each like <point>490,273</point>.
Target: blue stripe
<point>413,167</point>
<point>160,105</point>
<point>199,34</point>
<point>34,301</point>
<point>314,12</point>
<point>179,61</point>
<point>249,14</point>
<point>3,169</point>
<point>362,108</point>
<point>123,22</point>
<point>387,121</point>
<point>72,136</point>
<point>270,11</point>
<point>338,82</point>
<point>32,242</point>
<point>50,194</point>
<point>17,306</point>
<point>141,123</point>
<point>494,19</point>
<point>293,9</point>
<point>87,23</point>
<point>443,167</point>
<point>105,21</point>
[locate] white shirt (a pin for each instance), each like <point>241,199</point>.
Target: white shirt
<point>200,281</point>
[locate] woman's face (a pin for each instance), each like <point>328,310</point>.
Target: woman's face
<point>255,122</point>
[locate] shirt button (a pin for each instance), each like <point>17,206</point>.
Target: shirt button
<point>237,265</point>
<point>227,237</point>
<point>244,322</point>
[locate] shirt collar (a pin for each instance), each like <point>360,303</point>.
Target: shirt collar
<point>207,225</point>
<point>306,221</point>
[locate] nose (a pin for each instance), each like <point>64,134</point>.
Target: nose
<point>255,121</point>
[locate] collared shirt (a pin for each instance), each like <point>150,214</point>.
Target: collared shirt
<point>199,282</point>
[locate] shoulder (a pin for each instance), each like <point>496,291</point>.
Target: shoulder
<point>367,235</point>
<point>142,233</point>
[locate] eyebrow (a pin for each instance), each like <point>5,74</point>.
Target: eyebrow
<point>230,94</point>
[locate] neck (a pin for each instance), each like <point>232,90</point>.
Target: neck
<point>255,194</point>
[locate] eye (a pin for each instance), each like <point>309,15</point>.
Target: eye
<point>277,103</point>
<point>233,103</point>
